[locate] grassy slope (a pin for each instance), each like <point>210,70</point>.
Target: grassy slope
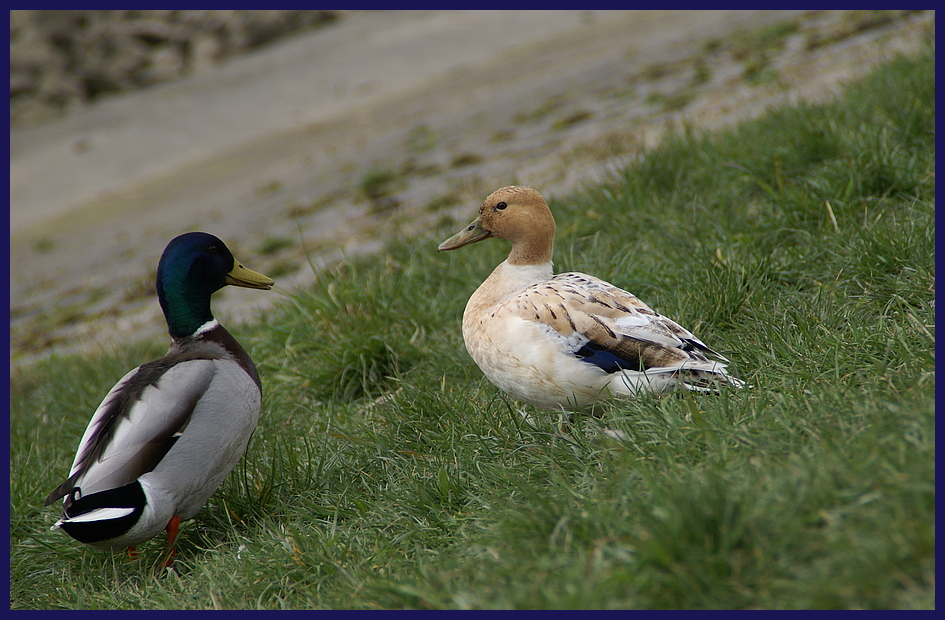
<point>388,473</point>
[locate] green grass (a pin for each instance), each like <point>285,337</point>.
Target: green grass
<point>377,183</point>
<point>272,245</point>
<point>386,472</point>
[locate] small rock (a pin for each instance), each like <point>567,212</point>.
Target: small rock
<point>205,50</point>
<point>164,63</point>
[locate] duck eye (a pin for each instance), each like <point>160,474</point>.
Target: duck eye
<point>501,206</point>
<point>212,249</point>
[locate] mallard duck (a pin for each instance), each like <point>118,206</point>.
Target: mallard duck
<point>567,341</point>
<point>169,432</point>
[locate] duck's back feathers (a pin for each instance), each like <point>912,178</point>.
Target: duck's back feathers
<point>136,425</point>
<point>615,321</point>
<point>120,411</point>
<point>140,418</point>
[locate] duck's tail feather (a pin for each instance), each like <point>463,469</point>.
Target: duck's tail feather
<point>104,515</point>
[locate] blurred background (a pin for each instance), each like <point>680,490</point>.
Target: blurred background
<point>302,138</point>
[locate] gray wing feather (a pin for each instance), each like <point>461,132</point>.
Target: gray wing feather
<point>130,431</point>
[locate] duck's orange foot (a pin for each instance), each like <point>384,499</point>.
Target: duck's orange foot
<point>133,552</point>
<point>172,528</point>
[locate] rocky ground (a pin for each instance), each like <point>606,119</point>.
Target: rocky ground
<point>63,60</point>
<point>324,144</point>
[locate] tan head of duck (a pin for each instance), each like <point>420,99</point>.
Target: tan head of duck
<point>516,213</point>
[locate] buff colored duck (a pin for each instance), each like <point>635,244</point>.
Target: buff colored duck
<point>568,341</point>
<point>169,432</point>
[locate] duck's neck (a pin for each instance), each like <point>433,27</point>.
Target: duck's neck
<point>186,312</point>
<point>536,249</point>
<point>508,279</point>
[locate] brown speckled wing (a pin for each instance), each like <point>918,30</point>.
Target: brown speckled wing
<point>586,310</point>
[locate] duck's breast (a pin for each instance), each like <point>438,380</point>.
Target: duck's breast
<point>532,361</point>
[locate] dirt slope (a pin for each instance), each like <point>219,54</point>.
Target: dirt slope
<point>326,144</point>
